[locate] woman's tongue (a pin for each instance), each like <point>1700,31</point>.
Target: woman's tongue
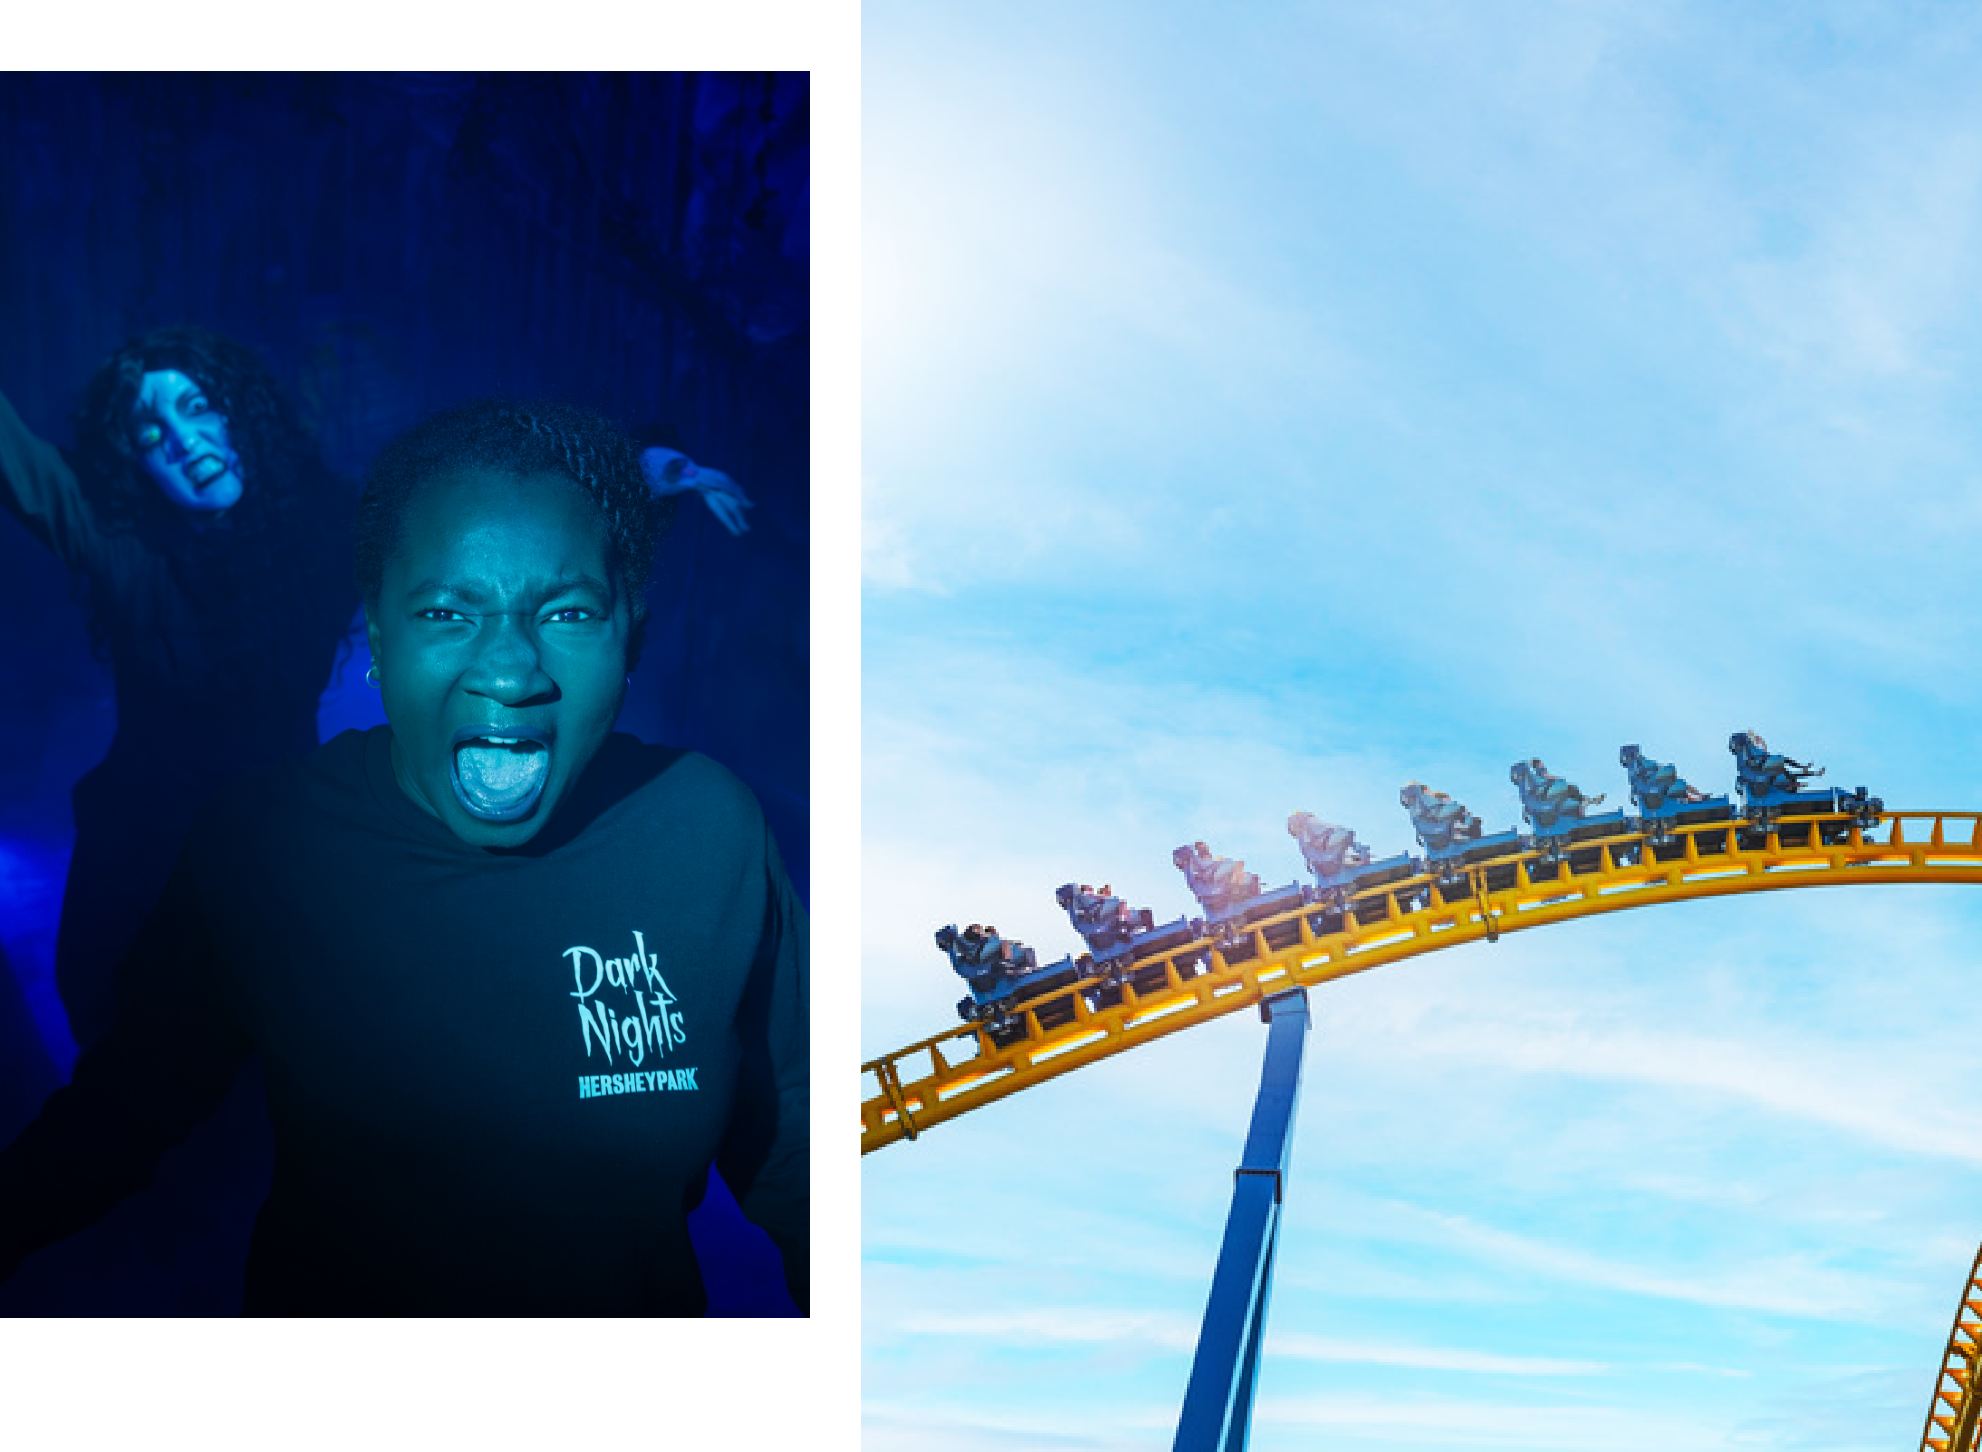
<point>497,779</point>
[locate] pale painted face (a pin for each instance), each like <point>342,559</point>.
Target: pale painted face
<point>183,445</point>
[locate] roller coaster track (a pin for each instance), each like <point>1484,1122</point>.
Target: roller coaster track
<point>966,1067</point>
<point>1956,1411</point>
<point>953,1072</point>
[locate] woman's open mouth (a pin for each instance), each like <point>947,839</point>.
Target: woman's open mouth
<point>205,469</point>
<point>498,775</point>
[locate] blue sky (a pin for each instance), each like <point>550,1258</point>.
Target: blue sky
<point>1262,412</point>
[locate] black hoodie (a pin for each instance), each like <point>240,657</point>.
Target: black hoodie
<point>497,1077</point>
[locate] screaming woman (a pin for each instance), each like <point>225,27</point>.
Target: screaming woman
<point>516,981</point>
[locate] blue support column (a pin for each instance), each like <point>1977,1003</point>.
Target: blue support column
<point>1218,1401</point>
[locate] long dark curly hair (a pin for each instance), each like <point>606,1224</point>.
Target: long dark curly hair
<point>517,438</point>
<point>283,548</point>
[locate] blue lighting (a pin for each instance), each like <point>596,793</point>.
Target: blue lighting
<point>32,871</point>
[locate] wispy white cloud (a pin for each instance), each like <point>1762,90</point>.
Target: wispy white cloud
<point>990,1423</point>
<point>887,555</point>
<point>1791,1286</point>
<point>1094,1324</point>
<point>891,1424</point>
<point>1493,1424</point>
<point>1917,1118</point>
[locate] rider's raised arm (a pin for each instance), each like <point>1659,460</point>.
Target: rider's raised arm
<point>39,489</point>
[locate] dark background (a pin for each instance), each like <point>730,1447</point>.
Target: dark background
<point>390,245</point>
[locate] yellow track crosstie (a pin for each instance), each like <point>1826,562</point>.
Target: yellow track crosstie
<point>951,1073</point>
<point>1956,1411</point>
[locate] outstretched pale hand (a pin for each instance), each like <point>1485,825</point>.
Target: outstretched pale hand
<point>669,471</point>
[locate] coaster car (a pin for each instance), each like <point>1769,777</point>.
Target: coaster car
<point>1103,920</point>
<point>1229,894</point>
<point>1342,866</point>
<point>1000,1006</point>
<point>1664,799</point>
<point>1219,884</point>
<point>1452,836</point>
<point>1772,786</point>
<point>1657,790</point>
<point>999,970</point>
<point>978,952</point>
<point>1113,931</point>
<point>1559,812</point>
<point>1550,803</point>
<point>1331,853</point>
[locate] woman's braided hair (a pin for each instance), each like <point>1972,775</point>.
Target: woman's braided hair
<point>515,438</point>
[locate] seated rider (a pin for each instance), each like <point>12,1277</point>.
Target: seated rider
<point>1219,883</point>
<point>1760,770</point>
<point>1438,820</point>
<point>978,950</point>
<point>1101,918</point>
<point>1545,797</point>
<point>1653,784</point>
<point>1327,849</point>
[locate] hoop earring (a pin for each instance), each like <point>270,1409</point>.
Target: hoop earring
<point>372,676</point>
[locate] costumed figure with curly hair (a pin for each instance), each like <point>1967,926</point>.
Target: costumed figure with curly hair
<point>216,549</point>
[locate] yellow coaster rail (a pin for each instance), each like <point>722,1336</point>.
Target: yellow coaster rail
<point>1955,1413</point>
<point>963,1068</point>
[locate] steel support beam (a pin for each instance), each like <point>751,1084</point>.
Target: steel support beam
<point>1217,1412</point>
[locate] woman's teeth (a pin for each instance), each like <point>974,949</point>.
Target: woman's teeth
<point>205,469</point>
